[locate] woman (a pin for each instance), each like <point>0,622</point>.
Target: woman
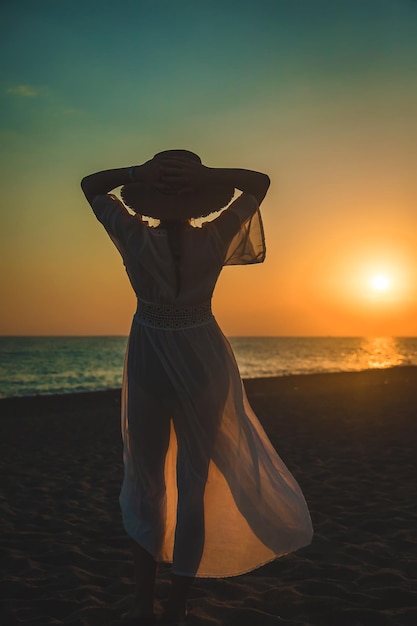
<point>203,487</point>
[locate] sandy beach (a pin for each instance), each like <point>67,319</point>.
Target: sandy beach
<point>349,439</point>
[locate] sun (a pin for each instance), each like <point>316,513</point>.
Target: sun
<point>380,282</point>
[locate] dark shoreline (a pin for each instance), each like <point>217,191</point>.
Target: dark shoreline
<point>249,382</point>
<point>350,440</point>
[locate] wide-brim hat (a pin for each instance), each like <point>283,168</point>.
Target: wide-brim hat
<point>146,200</point>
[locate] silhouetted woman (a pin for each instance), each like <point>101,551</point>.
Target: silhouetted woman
<point>203,487</point>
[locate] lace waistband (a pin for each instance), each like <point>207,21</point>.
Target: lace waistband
<point>173,316</point>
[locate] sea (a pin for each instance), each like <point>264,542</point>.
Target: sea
<point>32,366</point>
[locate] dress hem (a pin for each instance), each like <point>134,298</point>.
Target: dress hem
<point>229,575</point>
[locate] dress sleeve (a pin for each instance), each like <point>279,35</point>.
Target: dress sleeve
<point>116,219</point>
<point>241,230</point>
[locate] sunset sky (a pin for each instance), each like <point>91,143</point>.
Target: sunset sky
<point>319,94</point>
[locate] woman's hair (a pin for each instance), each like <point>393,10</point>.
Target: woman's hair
<point>145,200</point>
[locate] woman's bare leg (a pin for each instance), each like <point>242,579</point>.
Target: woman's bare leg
<point>190,531</point>
<point>147,447</point>
<point>177,599</point>
<point>145,577</point>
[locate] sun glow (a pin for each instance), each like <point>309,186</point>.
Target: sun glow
<point>373,286</point>
<point>380,282</point>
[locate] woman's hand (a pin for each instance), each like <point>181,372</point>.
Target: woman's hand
<point>149,172</point>
<point>181,175</point>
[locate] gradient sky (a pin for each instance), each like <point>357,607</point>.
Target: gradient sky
<point>321,95</point>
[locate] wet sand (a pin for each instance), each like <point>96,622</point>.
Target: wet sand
<point>349,439</point>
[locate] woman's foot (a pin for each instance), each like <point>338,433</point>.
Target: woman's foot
<point>139,618</point>
<point>140,613</point>
<point>174,619</point>
<point>175,613</point>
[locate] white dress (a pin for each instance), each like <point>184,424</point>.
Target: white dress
<point>203,487</point>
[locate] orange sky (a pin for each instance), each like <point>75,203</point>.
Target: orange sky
<point>331,123</point>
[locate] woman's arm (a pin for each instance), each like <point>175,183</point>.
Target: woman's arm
<point>189,174</point>
<point>102,182</point>
<point>248,181</point>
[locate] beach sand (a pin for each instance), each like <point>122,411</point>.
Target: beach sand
<point>349,439</point>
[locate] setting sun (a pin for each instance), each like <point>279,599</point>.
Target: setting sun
<point>380,282</point>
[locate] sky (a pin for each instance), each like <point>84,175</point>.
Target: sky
<point>320,95</point>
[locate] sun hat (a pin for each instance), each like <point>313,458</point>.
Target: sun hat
<point>146,200</point>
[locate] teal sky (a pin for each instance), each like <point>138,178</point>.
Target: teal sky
<point>321,95</point>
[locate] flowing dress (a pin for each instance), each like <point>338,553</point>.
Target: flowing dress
<point>203,487</point>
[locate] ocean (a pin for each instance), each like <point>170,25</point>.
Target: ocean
<point>47,365</point>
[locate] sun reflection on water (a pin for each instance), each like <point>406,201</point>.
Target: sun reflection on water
<point>378,352</point>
